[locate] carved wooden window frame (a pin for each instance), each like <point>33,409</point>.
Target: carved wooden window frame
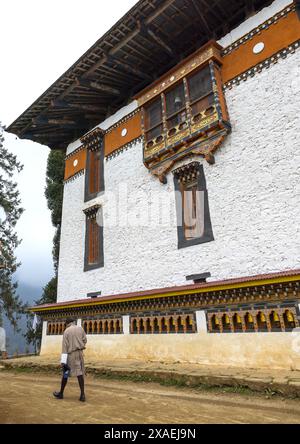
<point>94,143</point>
<point>187,107</point>
<point>93,227</point>
<point>183,177</point>
<point>202,131</point>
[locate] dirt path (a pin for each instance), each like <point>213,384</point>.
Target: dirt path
<point>27,398</point>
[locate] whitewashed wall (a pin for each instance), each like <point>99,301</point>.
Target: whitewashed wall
<point>253,191</point>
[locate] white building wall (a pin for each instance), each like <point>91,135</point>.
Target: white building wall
<point>253,191</point>
<point>253,21</point>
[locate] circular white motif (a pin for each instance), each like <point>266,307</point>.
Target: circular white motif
<point>172,78</point>
<point>75,163</point>
<point>259,47</point>
<point>124,132</point>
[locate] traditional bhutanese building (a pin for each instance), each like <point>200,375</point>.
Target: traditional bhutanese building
<point>180,226</point>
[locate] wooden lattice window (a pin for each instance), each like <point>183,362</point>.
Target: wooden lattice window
<point>93,239</point>
<point>175,103</point>
<point>169,113</point>
<point>200,91</point>
<point>94,174</point>
<point>194,224</point>
<point>153,120</point>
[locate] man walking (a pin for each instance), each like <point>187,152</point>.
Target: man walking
<point>72,362</point>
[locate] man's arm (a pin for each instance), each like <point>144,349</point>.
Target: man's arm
<point>65,347</point>
<point>84,338</point>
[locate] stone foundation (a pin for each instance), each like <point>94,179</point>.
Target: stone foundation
<point>248,350</point>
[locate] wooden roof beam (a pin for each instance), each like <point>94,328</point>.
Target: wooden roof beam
<point>80,106</point>
<point>129,68</point>
<point>201,16</point>
<point>62,123</point>
<point>130,36</point>
<point>97,86</point>
<point>153,34</point>
<point>158,11</point>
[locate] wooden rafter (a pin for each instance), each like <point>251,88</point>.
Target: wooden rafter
<point>97,86</point>
<point>137,54</point>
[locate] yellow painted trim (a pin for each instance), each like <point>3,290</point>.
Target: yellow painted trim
<point>279,280</point>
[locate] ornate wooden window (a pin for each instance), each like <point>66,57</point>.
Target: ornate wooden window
<point>201,96</point>
<point>194,224</point>
<point>94,173</point>
<point>93,257</point>
<point>185,113</point>
<point>153,120</point>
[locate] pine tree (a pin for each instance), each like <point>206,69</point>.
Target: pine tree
<point>54,196</point>
<point>10,304</point>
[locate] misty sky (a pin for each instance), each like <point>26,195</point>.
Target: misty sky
<point>39,41</point>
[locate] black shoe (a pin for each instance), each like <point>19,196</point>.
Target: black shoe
<point>58,395</point>
<point>82,398</point>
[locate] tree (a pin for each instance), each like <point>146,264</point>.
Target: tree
<point>10,304</point>
<point>54,195</point>
<point>34,336</point>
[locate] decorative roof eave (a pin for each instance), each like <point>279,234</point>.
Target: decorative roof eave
<point>228,284</point>
<point>139,53</point>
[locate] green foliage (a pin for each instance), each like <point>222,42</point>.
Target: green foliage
<point>54,195</point>
<point>54,181</point>
<point>49,292</point>
<point>10,304</point>
<point>48,297</point>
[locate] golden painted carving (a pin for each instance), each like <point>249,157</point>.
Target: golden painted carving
<point>207,52</point>
<point>270,319</point>
<point>195,134</point>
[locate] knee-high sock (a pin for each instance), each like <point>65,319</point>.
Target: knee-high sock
<point>81,383</point>
<point>63,384</point>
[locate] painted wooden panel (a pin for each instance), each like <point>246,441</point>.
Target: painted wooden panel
<point>275,38</point>
<point>75,163</point>
<point>123,134</point>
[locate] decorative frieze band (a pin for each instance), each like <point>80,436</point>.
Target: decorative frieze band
<point>265,318</point>
<point>122,121</point>
<point>263,65</point>
<point>73,153</point>
<point>280,293</point>
<point>258,29</point>
<point>124,148</point>
<point>74,177</point>
<point>187,172</point>
<point>91,212</point>
<point>93,140</point>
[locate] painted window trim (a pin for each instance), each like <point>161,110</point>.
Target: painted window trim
<point>90,196</point>
<point>208,232</point>
<point>100,264</point>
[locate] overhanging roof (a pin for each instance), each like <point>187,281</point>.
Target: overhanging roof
<point>150,39</point>
<point>228,284</point>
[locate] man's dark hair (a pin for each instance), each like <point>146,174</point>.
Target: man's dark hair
<point>70,321</point>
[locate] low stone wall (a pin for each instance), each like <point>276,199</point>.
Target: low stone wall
<point>244,350</point>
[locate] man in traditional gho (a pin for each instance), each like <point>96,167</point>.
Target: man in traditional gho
<point>72,362</point>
